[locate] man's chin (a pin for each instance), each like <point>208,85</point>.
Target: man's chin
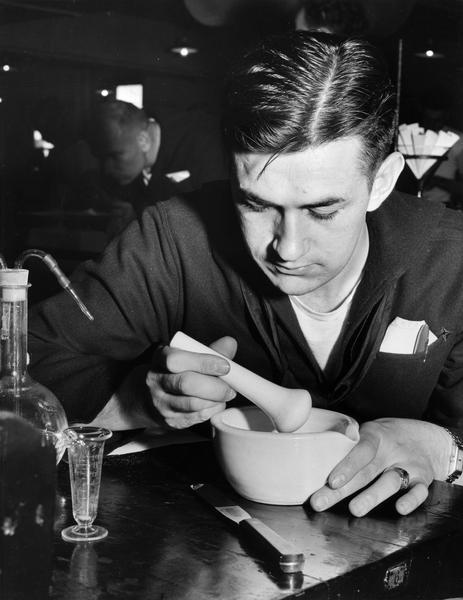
<point>291,286</point>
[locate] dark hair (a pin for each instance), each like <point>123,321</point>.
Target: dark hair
<point>304,89</point>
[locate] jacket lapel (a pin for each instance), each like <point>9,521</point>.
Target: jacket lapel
<point>369,316</point>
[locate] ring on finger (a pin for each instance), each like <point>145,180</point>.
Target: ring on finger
<point>404,477</point>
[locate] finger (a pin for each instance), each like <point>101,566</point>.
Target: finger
<point>183,420</point>
<point>226,346</point>
<point>412,499</point>
<point>383,488</point>
<point>177,361</point>
<point>190,384</point>
<point>206,413</point>
<point>168,405</point>
<point>357,459</point>
<point>179,416</point>
<point>186,404</point>
<point>326,496</point>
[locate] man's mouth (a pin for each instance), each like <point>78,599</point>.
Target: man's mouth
<point>291,270</point>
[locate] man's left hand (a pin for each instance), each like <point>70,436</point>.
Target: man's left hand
<point>421,448</point>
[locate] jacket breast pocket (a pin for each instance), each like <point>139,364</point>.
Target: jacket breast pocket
<point>399,385</point>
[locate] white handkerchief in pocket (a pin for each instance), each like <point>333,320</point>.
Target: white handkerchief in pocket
<point>407,337</point>
<point>178,176</point>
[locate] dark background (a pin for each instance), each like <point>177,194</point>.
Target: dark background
<point>62,53</point>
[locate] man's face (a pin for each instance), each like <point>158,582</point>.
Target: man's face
<point>303,214</point>
<point>121,157</point>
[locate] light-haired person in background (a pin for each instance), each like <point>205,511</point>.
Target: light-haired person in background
<point>144,160</point>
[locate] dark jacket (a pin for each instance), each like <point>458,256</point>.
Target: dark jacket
<point>184,266</point>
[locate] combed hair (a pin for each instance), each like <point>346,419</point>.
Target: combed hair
<point>306,89</point>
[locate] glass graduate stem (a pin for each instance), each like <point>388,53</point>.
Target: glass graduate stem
<point>85,456</point>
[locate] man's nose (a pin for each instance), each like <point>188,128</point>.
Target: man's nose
<point>290,240</point>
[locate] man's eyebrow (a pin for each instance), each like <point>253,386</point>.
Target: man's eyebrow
<point>330,201</point>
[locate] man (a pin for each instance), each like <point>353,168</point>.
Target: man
<point>144,162</point>
<point>315,267</point>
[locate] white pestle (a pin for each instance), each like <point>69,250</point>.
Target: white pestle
<point>288,408</point>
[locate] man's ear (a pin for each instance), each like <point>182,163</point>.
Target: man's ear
<point>149,141</point>
<point>385,179</point>
<point>144,140</point>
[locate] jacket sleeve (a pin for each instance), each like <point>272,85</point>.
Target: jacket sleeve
<point>446,403</point>
<point>133,292</point>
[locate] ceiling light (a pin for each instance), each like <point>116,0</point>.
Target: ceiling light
<point>429,51</point>
<point>184,50</point>
<point>429,54</point>
<point>182,47</point>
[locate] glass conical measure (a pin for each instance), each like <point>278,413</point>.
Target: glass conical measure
<point>19,393</point>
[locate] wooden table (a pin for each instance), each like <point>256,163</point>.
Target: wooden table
<point>165,543</point>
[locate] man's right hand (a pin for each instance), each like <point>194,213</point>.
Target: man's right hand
<point>186,387</point>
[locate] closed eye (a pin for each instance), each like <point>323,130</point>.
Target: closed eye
<point>253,205</point>
<point>322,216</point>
<point>323,211</point>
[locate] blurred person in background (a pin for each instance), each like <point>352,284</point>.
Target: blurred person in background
<point>143,161</point>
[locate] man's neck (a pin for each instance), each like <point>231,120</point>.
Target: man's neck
<point>332,294</point>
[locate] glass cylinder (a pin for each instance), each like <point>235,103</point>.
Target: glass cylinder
<point>19,393</point>
<point>85,456</point>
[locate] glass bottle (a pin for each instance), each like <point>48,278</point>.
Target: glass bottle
<point>19,393</point>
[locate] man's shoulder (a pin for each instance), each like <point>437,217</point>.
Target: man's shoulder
<point>209,208</point>
<point>406,209</point>
<point>201,226</point>
<point>406,214</point>
<point>406,227</point>
<point>212,197</point>
<point>442,227</point>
